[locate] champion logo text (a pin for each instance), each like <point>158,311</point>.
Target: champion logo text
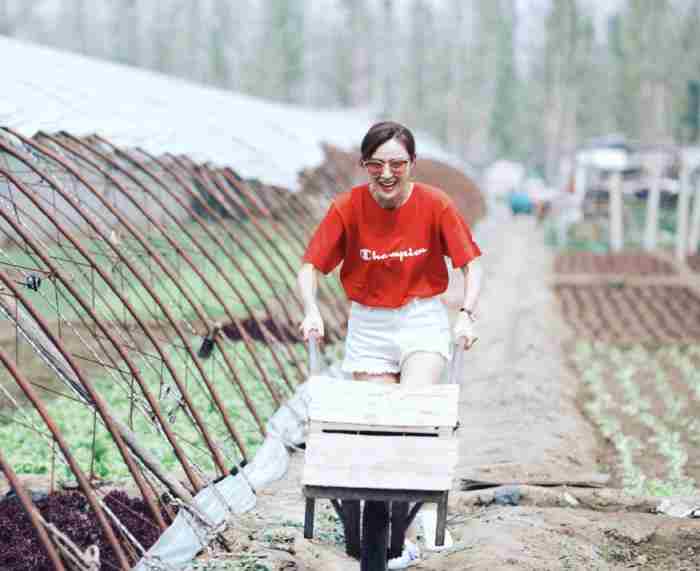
<point>368,255</point>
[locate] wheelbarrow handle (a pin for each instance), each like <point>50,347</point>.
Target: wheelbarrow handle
<point>314,358</point>
<point>456,364</point>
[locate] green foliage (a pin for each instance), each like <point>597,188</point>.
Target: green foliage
<point>581,238</point>
<point>282,51</point>
<point>273,275</point>
<point>614,378</point>
<point>75,421</point>
<point>330,527</point>
<point>505,116</point>
<point>269,254</point>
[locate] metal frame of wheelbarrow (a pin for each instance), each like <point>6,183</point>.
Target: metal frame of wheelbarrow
<point>384,506</point>
<point>346,502</point>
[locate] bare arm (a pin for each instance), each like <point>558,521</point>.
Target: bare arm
<point>307,280</point>
<point>473,274</point>
<point>464,326</point>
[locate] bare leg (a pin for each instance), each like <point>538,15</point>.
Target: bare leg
<point>386,378</point>
<point>419,369</point>
<point>422,368</point>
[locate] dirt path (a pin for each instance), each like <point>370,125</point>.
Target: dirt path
<point>518,400</point>
<point>520,424</point>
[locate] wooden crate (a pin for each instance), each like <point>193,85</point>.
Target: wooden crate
<point>369,435</point>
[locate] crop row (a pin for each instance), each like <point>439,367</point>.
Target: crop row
<point>22,433</point>
<point>631,314</point>
<point>629,263</point>
<point>645,401</point>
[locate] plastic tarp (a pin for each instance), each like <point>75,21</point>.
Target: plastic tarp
<point>196,525</point>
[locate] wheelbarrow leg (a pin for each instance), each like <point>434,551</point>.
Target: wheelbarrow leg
<point>441,520</point>
<point>375,536</point>
<point>351,525</point>
<point>309,518</point>
<point>399,523</point>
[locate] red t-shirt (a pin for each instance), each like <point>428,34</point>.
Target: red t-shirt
<point>391,256</point>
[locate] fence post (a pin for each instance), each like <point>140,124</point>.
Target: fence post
<point>682,212</point>
<point>694,237</point>
<point>616,230</point>
<point>651,228</point>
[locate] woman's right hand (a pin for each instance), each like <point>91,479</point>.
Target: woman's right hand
<point>312,325</point>
<point>463,333</point>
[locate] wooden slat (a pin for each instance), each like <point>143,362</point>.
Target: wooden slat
<point>355,402</point>
<point>385,462</point>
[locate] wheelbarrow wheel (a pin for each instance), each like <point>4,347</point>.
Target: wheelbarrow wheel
<point>375,536</point>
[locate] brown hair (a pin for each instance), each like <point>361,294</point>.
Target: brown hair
<point>380,133</point>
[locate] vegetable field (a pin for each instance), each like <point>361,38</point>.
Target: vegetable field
<point>148,332</point>
<point>646,401</point>
<point>636,321</point>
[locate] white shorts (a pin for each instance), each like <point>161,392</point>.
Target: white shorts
<point>380,339</point>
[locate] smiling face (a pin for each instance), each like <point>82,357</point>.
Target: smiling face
<point>389,174</point>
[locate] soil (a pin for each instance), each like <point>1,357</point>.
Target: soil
<point>522,426</point>
<point>628,297</point>
<point>636,263</point>
<point>694,262</point>
<point>619,313</point>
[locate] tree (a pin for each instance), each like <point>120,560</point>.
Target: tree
<point>281,48</point>
<point>645,63</point>
<point>483,78</point>
<point>490,24</point>
<point>164,51</point>
<point>340,55</point>
<point>126,31</point>
<point>504,116</point>
<point>566,73</point>
<point>14,16</point>
<point>221,68</point>
<point>74,18</point>
<point>687,79</point>
<point>388,58</point>
<point>418,76</point>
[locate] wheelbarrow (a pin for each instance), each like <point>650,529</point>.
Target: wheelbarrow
<point>389,446</point>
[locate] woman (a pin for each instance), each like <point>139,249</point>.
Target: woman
<point>392,236</point>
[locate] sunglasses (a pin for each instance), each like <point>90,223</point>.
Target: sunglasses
<point>375,166</point>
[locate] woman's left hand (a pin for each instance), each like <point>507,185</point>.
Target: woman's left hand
<point>464,330</point>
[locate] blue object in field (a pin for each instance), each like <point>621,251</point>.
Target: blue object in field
<point>509,496</point>
<point>520,203</point>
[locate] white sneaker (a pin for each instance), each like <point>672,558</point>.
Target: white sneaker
<point>410,555</point>
<point>428,520</point>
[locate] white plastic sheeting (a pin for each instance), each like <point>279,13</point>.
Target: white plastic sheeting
<point>196,525</point>
<point>191,532</point>
<point>45,89</point>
